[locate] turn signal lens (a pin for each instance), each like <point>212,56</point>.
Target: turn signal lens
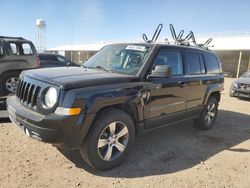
<point>67,111</point>
<point>74,111</point>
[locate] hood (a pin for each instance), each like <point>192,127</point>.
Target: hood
<point>244,80</point>
<point>76,77</point>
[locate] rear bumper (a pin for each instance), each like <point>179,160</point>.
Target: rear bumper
<point>65,132</point>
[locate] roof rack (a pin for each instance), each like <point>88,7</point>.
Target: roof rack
<point>190,38</point>
<point>178,39</point>
<point>155,36</point>
<point>12,37</point>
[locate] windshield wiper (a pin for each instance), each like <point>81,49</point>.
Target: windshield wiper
<point>104,68</point>
<point>100,67</point>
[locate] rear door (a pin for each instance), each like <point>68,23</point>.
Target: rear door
<point>197,79</point>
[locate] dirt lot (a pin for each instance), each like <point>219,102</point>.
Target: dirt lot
<point>175,156</point>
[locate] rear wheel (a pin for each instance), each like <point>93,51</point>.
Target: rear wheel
<point>8,82</point>
<point>208,115</point>
<point>109,140</point>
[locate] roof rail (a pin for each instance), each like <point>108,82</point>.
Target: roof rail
<point>12,37</point>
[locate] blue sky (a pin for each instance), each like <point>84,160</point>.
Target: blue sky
<point>83,21</point>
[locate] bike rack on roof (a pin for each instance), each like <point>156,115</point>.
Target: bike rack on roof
<point>190,38</point>
<point>155,36</point>
<point>178,39</point>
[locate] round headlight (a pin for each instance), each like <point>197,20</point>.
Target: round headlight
<point>50,97</point>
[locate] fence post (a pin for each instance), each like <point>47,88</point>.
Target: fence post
<point>238,69</point>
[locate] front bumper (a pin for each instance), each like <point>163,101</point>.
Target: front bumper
<point>244,93</point>
<point>65,132</point>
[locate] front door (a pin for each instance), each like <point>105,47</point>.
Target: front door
<point>166,96</point>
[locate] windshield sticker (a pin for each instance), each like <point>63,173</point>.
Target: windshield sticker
<point>136,48</point>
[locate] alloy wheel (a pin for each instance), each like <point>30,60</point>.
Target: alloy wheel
<point>113,141</point>
<point>210,113</point>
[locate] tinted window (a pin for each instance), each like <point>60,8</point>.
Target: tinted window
<point>61,59</point>
<point>51,58</point>
<point>27,50</point>
<point>192,63</point>
<point>212,63</point>
<point>202,64</point>
<point>247,74</point>
<point>171,58</point>
<point>42,58</point>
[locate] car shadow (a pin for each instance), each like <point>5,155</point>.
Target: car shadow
<point>178,147</point>
<point>243,99</point>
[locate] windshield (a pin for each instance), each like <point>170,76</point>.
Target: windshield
<point>247,74</point>
<point>120,58</point>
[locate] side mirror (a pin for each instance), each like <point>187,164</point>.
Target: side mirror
<point>161,71</point>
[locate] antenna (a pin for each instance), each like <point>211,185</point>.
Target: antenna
<point>41,35</point>
<point>155,36</point>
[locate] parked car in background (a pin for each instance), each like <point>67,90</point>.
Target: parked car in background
<point>241,86</point>
<point>16,54</point>
<point>54,60</point>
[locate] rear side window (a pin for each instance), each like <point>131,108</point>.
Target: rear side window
<point>192,63</point>
<point>170,58</point>
<point>27,50</point>
<point>14,48</point>
<point>212,64</point>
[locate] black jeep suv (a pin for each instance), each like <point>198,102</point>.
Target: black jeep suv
<point>122,90</point>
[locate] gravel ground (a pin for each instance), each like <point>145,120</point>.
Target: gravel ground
<point>175,156</point>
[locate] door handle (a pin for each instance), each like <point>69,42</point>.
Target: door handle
<point>182,84</point>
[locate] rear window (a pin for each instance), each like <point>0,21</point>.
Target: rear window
<point>212,64</point>
<point>27,50</point>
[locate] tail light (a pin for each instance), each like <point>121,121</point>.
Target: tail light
<point>37,62</point>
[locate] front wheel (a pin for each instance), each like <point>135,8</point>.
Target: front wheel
<point>109,140</point>
<point>208,115</point>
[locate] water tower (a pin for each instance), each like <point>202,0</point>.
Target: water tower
<point>41,35</point>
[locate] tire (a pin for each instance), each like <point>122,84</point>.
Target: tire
<point>8,82</point>
<point>208,115</point>
<point>114,132</point>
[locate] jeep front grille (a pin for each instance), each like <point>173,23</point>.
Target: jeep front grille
<point>27,93</point>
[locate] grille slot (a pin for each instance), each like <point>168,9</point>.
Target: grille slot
<point>27,93</point>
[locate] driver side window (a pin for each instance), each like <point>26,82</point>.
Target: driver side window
<point>170,58</point>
